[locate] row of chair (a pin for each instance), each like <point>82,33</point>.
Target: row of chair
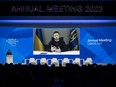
<point>55,61</point>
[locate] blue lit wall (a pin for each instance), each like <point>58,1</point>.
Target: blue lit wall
<point>20,41</point>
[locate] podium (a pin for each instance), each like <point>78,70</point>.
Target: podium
<point>9,59</point>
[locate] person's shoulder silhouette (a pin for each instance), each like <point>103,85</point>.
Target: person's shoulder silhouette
<point>9,52</point>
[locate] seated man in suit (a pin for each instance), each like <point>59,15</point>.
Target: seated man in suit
<point>57,43</point>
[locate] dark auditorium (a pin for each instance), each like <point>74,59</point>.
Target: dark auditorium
<point>57,43</point>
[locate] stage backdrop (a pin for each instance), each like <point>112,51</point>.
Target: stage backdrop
<point>95,42</point>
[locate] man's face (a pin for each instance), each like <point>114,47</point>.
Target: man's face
<point>56,36</point>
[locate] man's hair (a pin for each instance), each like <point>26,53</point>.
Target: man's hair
<point>56,32</point>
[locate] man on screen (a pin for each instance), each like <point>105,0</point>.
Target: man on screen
<point>57,43</point>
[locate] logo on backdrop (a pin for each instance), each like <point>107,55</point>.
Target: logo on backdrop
<point>98,41</point>
<point>12,41</point>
